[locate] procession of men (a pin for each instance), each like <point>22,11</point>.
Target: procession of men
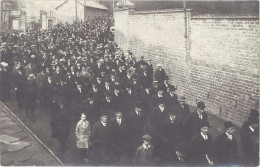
<point>129,114</point>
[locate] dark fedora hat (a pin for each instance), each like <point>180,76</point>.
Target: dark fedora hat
<point>228,124</point>
<point>205,124</point>
<point>201,105</point>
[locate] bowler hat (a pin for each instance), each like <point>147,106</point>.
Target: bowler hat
<point>205,124</point>
<point>254,113</point>
<point>103,113</point>
<point>138,104</point>
<point>160,88</point>
<point>172,88</point>
<point>228,124</point>
<point>117,111</point>
<point>201,105</point>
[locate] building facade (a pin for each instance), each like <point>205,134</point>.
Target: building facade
<point>72,10</point>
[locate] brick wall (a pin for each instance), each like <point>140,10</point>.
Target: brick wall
<point>214,59</point>
<point>225,64</point>
<point>121,28</point>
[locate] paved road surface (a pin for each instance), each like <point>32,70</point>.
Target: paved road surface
<point>18,146</point>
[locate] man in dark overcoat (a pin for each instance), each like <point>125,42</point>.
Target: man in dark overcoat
<point>146,97</point>
<point>30,96</point>
<point>171,99</point>
<point>49,88</point>
<point>100,139</point>
<point>5,82</point>
<point>61,125</point>
<point>250,139</point>
<point>118,131</point>
<point>159,74</point>
<point>183,110</point>
<point>19,80</point>
<point>201,149</point>
<point>193,121</point>
<point>91,108</point>
<point>136,120</point>
<point>225,146</point>
<point>157,129</point>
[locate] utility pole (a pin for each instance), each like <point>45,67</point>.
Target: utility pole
<point>185,17</point>
<point>1,16</point>
<point>76,5</point>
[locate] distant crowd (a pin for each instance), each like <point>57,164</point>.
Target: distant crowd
<point>129,112</point>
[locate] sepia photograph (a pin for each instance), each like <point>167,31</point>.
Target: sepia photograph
<point>129,83</point>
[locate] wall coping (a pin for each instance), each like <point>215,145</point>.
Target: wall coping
<point>123,9</point>
<point>223,17</point>
<point>161,11</point>
<point>153,11</point>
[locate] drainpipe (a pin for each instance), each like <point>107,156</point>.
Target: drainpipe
<point>185,18</point>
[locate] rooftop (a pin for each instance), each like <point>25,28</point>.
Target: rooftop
<point>87,3</point>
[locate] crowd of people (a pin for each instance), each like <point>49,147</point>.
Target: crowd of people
<point>129,113</point>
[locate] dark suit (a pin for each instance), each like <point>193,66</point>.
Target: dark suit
<point>170,138</point>
<point>183,112</point>
<point>118,136</point>
<point>199,149</point>
<point>225,150</point>
<point>5,83</point>
<point>172,102</point>
<point>63,90</point>
<point>147,101</point>
<point>192,124</point>
<point>145,80</point>
<point>19,80</point>
<point>250,144</point>
<point>76,103</point>
<point>61,126</point>
<point>165,87</point>
<point>91,110</point>
<point>136,131</point>
<point>157,129</point>
<point>30,96</point>
<point>156,99</point>
<point>160,75</point>
<point>50,90</point>
<point>118,101</point>
<point>136,87</point>
<point>57,77</point>
<point>100,139</point>
<point>95,94</point>
<point>129,101</point>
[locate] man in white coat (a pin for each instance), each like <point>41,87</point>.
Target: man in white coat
<point>82,133</point>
